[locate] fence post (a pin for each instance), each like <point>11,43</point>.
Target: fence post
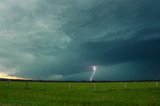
<point>44,86</point>
<point>26,85</point>
<point>125,85</point>
<point>94,86</point>
<point>69,88</point>
<point>156,84</point>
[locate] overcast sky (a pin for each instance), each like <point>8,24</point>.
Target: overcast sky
<point>62,39</point>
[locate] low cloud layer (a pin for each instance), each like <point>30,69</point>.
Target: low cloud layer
<point>60,40</point>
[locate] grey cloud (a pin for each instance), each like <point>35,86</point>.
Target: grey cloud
<point>58,39</point>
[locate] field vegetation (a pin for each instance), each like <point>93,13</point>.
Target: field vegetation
<point>18,93</point>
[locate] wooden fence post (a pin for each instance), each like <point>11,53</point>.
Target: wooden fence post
<point>26,85</point>
<point>44,86</point>
<point>94,86</point>
<point>156,84</point>
<point>69,88</point>
<point>125,85</point>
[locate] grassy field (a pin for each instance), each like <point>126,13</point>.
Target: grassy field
<point>80,94</point>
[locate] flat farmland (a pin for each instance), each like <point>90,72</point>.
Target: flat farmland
<point>19,93</point>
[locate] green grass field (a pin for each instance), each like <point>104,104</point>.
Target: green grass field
<point>80,94</point>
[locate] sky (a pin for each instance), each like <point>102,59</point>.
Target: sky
<point>62,39</point>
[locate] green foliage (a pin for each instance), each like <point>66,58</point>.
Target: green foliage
<point>80,94</point>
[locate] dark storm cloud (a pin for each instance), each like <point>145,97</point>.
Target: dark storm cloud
<point>58,39</point>
<point>121,51</point>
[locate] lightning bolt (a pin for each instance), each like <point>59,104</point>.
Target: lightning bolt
<point>94,71</point>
